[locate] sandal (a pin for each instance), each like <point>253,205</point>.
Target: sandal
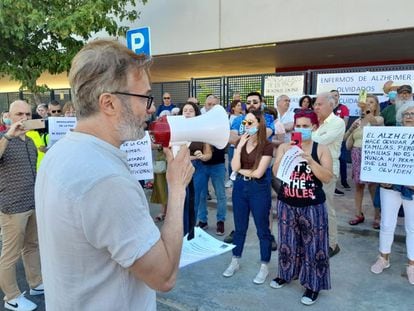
<point>376,224</point>
<point>159,218</point>
<point>357,220</point>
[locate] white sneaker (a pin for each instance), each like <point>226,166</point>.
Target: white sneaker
<point>228,184</point>
<point>380,265</point>
<point>410,274</point>
<point>38,290</point>
<point>232,268</point>
<point>262,275</point>
<point>20,303</point>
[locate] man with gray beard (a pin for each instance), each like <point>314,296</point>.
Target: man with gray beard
<point>405,94</point>
<point>100,249</point>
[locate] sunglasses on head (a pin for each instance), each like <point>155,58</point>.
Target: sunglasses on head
<point>56,111</point>
<point>247,122</point>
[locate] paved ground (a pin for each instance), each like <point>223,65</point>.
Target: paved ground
<point>354,287</point>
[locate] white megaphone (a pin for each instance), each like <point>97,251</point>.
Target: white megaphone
<point>173,131</point>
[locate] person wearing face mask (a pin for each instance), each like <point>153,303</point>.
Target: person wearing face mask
<point>5,122</point>
<point>303,217</point>
<point>252,192</point>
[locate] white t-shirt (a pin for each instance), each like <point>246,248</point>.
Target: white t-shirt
<point>288,117</point>
<point>93,224</point>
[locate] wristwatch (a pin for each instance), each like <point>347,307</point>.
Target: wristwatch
<point>7,137</point>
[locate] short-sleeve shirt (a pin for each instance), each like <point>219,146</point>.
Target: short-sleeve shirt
<point>247,160</point>
<point>93,224</point>
<point>389,115</point>
<point>17,176</point>
<point>162,107</point>
<point>341,111</point>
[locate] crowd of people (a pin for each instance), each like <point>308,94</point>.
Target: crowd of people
<point>84,217</point>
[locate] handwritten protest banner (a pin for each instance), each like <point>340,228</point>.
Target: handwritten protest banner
<point>388,155</point>
<point>284,85</point>
<point>58,127</point>
<point>139,157</point>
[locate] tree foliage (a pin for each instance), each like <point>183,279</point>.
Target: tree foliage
<point>44,35</point>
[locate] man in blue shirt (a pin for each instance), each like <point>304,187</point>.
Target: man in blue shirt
<point>166,105</point>
<point>253,102</point>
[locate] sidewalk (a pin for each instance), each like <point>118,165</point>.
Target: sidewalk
<point>202,287</point>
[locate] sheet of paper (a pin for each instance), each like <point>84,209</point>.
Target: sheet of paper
<point>289,161</point>
<point>201,247</point>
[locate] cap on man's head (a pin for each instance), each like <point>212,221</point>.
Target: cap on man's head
<point>405,88</point>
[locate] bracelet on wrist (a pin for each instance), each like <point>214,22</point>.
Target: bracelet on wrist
<point>7,137</point>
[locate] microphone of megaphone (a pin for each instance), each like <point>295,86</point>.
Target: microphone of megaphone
<point>211,128</point>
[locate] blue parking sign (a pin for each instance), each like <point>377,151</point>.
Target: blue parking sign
<point>138,40</point>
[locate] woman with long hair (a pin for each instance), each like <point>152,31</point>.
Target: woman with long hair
<point>302,215</point>
<point>353,136</point>
<point>199,152</point>
<point>251,191</point>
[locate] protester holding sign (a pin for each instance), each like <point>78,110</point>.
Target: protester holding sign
<point>392,196</point>
<point>303,218</point>
<point>353,136</point>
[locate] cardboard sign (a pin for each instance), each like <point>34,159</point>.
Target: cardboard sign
<point>284,85</point>
<point>388,155</point>
<point>139,157</point>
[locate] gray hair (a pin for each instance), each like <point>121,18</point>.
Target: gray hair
<point>101,66</point>
<point>329,97</point>
<point>280,97</point>
<point>402,109</point>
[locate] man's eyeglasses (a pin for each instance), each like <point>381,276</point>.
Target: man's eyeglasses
<point>247,122</point>
<point>150,99</point>
<point>55,111</point>
<point>166,97</point>
<point>254,102</point>
<point>408,114</point>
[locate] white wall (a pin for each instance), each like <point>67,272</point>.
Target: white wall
<point>179,26</point>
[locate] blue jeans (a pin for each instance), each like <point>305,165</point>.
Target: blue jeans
<point>254,196</point>
<point>217,174</point>
<point>230,153</point>
<point>192,197</point>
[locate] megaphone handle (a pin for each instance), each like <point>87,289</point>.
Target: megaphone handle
<point>176,147</point>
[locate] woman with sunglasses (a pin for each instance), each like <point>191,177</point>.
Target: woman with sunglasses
<point>392,196</point>
<point>302,215</point>
<point>251,191</point>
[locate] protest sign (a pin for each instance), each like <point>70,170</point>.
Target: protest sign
<point>388,155</point>
<point>284,85</point>
<point>289,161</point>
<point>139,157</point>
<point>354,82</point>
<point>58,127</point>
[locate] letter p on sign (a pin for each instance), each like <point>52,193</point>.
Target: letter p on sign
<point>138,40</point>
